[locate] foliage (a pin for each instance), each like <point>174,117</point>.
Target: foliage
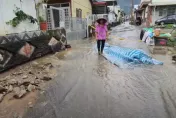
<point>169,26</point>
<point>20,16</point>
<point>174,34</point>
<point>171,42</point>
<point>41,19</point>
<point>41,2</point>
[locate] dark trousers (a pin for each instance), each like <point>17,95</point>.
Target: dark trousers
<point>100,45</point>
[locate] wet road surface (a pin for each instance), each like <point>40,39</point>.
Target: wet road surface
<point>88,86</point>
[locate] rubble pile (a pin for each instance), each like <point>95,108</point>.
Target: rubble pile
<point>24,80</point>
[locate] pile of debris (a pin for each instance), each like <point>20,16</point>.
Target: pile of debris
<point>174,58</point>
<point>27,79</point>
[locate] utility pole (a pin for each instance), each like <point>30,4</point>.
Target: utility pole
<point>113,6</point>
<point>132,6</point>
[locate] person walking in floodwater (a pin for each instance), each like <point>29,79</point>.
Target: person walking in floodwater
<point>101,32</point>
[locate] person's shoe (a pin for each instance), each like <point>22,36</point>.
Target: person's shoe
<point>99,53</point>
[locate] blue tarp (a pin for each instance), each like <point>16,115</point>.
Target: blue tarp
<point>127,57</point>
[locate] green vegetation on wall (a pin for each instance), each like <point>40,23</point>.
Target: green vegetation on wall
<point>20,16</point>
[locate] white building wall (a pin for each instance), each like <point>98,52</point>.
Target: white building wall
<point>145,1</point>
<point>2,27</point>
<point>163,2</point>
<point>116,9</point>
<point>155,13</point>
<point>6,14</point>
<point>155,16</point>
<point>146,11</point>
<point>118,13</point>
<point>43,11</point>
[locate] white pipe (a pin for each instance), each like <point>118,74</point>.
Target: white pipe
<point>154,14</point>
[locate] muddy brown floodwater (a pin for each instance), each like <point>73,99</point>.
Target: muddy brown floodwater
<point>88,86</point>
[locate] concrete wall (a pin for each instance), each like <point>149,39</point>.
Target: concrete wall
<point>85,5</point>
<point>155,16</point>
<point>6,14</point>
<point>42,9</point>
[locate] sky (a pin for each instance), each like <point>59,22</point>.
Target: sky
<point>126,4</point>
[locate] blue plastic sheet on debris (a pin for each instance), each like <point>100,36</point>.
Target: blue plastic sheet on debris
<point>127,57</point>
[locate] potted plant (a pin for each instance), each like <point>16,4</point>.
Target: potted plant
<point>43,23</point>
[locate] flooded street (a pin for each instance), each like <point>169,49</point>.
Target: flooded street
<point>89,86</point>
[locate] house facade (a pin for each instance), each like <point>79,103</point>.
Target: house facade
<point>75,16</point>
<point>77,8</point>
<point>84,7</point>
<point>162,8</point>
<point>153,10</point>
<point>144,7</point>
<point>116,9</point>
<point>75,12</point>
<point>7,8</point>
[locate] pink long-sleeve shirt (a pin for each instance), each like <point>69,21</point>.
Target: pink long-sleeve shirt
<point>101,32</point>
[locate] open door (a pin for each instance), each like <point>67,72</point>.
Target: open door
<point>55,18</point>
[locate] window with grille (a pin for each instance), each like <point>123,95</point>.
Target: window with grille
<point>78,13</point>
<point>171,11</point>
<point>160,12</point>
<point>56,17</point>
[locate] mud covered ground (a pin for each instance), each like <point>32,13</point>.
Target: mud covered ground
<point>88,86</point>
<point>21,86</point>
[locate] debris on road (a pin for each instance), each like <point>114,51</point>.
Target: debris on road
<point>11,82</point>
<point>26,79</point>
<point>19,92</point>
<point>158,50</point>
<point>46,78</point>
<point>121,38</point>
<point>16,91</point>
<point>174,58</point>
<point>67,46</point>
<point>17,116</point>
<point>30,104</point>
<point>17,73</point>
<point>31,88</point>
<point>2,89</point>
<point>1,97</point>
<point>123,29</point>
<point>25,76</point>
<point>10,89</point>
